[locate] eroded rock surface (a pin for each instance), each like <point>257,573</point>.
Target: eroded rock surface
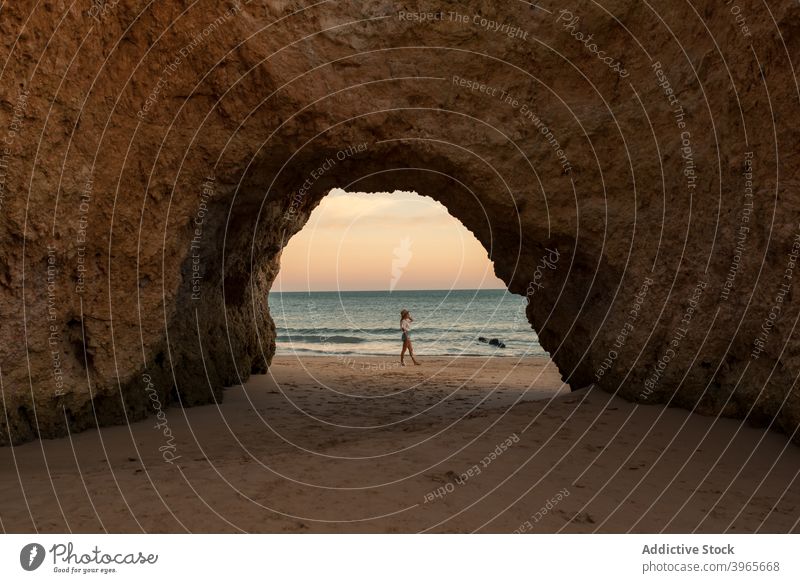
<point>156,157</point>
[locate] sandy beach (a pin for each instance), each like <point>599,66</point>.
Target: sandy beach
<point>323,444</point>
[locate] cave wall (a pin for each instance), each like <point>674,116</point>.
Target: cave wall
<point>156,157</point>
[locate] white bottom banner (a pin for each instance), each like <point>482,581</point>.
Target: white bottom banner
<point>371,558</point>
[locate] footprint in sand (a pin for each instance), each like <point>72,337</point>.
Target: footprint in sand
<point>583,518</point>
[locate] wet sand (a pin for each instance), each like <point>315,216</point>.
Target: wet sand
<point>323,444</point>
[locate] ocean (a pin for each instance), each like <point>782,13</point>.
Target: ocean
<point>446,322</point>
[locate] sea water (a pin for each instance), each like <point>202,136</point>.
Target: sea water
<point>446,322</point>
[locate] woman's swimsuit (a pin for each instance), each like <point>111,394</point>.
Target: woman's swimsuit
<point>406,333</point>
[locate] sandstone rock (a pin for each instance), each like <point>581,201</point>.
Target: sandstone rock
<point>156,158</point>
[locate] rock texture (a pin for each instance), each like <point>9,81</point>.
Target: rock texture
<point>156,157</point>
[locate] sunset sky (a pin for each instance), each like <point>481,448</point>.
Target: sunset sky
<point>383,241</point>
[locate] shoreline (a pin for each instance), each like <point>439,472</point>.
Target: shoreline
<point>297,354</point>
<point>393,360</point>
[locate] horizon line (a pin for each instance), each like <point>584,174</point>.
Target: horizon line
<point>301,291</point>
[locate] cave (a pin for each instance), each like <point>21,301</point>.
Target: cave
<point>156,190</point>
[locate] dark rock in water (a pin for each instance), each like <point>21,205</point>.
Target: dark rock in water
<point>493,342</point>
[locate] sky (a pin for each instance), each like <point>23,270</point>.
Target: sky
<point>383,241</point>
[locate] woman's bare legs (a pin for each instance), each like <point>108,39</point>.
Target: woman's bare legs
<point>407,345</point>
<point>403,352</point>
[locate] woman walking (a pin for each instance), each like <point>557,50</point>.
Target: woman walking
<point>405,328</point>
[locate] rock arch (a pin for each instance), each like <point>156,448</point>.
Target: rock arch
<point>156,156</point>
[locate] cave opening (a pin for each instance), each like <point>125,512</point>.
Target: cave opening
<point>362,257</point>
